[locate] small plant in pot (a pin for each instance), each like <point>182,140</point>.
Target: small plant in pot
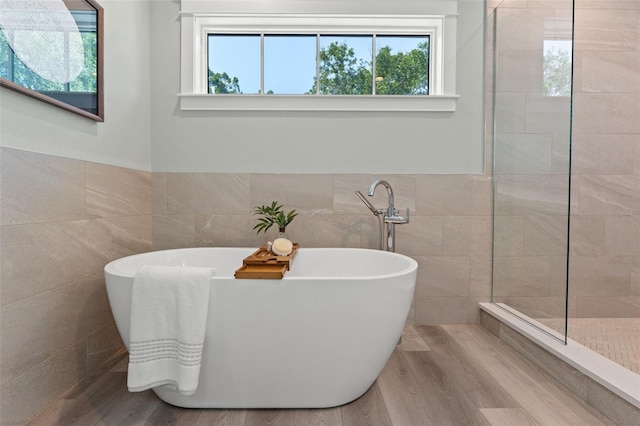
<point>273,215</point>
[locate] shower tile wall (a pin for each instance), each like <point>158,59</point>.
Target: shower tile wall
<point>61,221</point>
<point>605,234</point>
<point>449,233</point>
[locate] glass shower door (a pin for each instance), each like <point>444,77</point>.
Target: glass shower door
<point>532,54</point>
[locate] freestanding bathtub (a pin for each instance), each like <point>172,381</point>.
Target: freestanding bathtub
<point>319,337</point>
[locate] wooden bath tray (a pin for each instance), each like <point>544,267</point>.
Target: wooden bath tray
<point>263,264</point>
<point>260,272</point>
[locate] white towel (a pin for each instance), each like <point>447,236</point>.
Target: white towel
<point>168,317</point>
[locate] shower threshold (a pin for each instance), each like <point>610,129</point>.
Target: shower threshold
<point>582,370</point>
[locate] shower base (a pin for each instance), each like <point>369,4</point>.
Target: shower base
<point>615,338</point>
<point>605,385</point>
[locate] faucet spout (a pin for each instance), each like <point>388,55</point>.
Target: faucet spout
<point>386,184</point>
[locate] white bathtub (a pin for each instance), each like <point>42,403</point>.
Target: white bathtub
<point>317,338</point>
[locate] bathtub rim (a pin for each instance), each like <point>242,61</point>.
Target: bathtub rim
<point>112,269</point>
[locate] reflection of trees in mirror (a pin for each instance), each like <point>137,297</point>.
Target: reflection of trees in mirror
<point>13,69</point>
<point>82,95</point>
<point>342,73</point>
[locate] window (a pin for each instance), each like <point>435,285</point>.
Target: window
<point>287,64</point>
<point>318,62</point>
<point>58,59</point>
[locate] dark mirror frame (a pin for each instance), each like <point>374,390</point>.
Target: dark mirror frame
<point>100,78</point>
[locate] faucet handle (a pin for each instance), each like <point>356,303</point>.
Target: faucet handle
<point>397,219</point>
<point>368,204</point>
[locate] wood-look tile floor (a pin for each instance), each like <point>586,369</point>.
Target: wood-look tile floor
<point>439,375</point>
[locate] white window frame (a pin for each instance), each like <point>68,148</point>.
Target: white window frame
<point>196,28</point>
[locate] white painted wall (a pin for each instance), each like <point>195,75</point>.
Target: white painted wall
<point>146,130</point>
<point>317,142</point>
<point>124,138</point>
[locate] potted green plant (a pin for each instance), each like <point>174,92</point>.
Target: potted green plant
<point>273,215</point>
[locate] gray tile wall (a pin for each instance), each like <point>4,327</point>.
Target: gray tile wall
<point>61,221</point>
<point>449,233</point>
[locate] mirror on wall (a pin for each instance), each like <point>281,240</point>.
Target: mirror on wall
<point>51,50</point>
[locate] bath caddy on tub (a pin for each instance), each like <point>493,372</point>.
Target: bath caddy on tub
<point>263,264</point>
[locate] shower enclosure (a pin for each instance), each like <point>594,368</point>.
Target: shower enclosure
<point>564,116</point>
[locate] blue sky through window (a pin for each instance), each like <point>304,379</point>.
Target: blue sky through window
<point>238,56</point>
<point>289,64</point>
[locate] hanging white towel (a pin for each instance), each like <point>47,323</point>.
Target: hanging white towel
<point>168,317</point>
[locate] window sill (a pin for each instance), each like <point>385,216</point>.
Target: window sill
<point>205,102</point>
